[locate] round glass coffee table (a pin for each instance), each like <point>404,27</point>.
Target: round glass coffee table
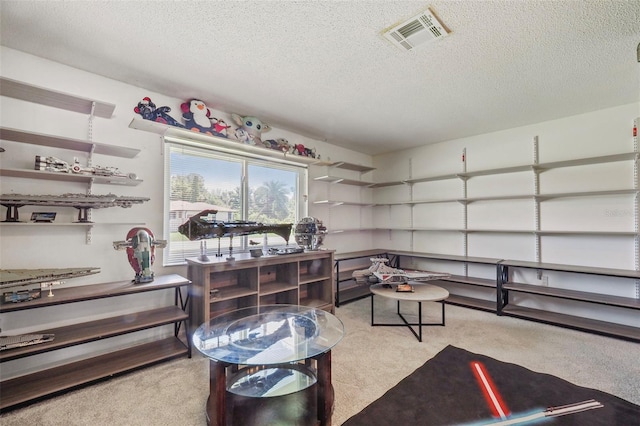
<point>422,292</point>
<point>270,364</point>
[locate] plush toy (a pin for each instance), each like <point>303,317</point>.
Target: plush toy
<point>148,111</point>
<point>300,149</point>
<point>250,129</point>
<point>220,127</point>
<point>280,144</point>
<point>197,116</point>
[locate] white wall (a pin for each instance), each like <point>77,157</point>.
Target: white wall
<point>50,247</point>
<point>599,133</point>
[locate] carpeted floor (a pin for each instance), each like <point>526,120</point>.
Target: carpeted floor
<point>461,387</point>
<point>366,363</point>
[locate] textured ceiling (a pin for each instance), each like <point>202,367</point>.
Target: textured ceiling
<point>322,69</point>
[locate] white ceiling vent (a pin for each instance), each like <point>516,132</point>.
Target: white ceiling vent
<point>416,31</point>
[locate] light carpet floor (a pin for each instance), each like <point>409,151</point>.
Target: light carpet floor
<point>366,363</point>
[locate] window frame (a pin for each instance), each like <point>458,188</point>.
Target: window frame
<point>236,155</point>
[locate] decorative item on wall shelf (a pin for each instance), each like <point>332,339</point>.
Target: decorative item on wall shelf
<point>310,233</point>
<point>149,111</point>
<point>140,245</point>
<point>54,164</point>
<point>82,202</point>
<point>197,117</point>
<point>250,129</point>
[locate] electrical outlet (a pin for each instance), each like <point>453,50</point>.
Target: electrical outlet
<point>545,280</point>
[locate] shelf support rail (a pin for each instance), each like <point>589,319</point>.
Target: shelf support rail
<point>89,164</point>
<point>465,223</point>
<point>636,213</point>
<point>536,200</point>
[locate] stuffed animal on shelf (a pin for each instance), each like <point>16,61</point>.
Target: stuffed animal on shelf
<point>300,149</point>
<point>280,144</point>
<point>148,110</point>
<point>250,129</point>
<point>220,127</point>
<point>197,116</point>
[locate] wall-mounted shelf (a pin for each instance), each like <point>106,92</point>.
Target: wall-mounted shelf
<point>202,140</point>
<point>69,177</point>
<point>92,108</point>
<point>34,138</point>
<point>335,203</point>
<point>32,93</point>
<point>541,167</point>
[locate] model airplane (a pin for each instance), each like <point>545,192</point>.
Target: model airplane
<point>82,202</point>
<point>20,277</point>
<point>140,246</point>
<point>54,164</point>
<point>202,226</point>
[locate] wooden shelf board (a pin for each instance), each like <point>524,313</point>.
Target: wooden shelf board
<point>227,293</point>
<point>98,291</point>
<point>311,278</point>
<point>578,323</point>
<point>276,287</point>
<point>451,257</point>
<point>611,272</point>
<point>353,293</point>
<point>52,141</point>
<point>100,329</point>
<point>32,93</point>
<point>582,296</point>
<point>37,385</point>
<point>470,302</point>
<point>480,282</point>
<point>359,254</point>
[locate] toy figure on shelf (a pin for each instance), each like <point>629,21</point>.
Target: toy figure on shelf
<point>280,144</point>
<point>220,127</point>
<point>149,111</point>
<point>250,130</point>
<point>140,245</point>
<point>197,117</point>
<point>300,149</point>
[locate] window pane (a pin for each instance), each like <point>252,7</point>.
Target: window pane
<point>273,196</point>
<point>199,179</point>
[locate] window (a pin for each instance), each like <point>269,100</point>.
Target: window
<point>236,187</point>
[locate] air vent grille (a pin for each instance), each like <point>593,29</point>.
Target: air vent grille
<point>415,31</point>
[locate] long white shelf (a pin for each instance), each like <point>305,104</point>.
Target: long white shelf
<point>85,224</point>
<point>31,93</point>
<point>541,167</point>
<point>207,141</point>
<point>34,138</point>
<point>69,177</point>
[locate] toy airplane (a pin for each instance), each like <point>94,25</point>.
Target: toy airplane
<point>201,226</point>
<point>20,277</point>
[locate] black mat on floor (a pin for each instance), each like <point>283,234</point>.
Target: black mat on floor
<point>445,391</point>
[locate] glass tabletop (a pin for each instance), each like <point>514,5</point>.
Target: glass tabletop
<point>268,335</point>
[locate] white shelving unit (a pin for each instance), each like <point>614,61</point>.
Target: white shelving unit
<point>92,108</point>
<point>539,197</point>
<point>333,178</point>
